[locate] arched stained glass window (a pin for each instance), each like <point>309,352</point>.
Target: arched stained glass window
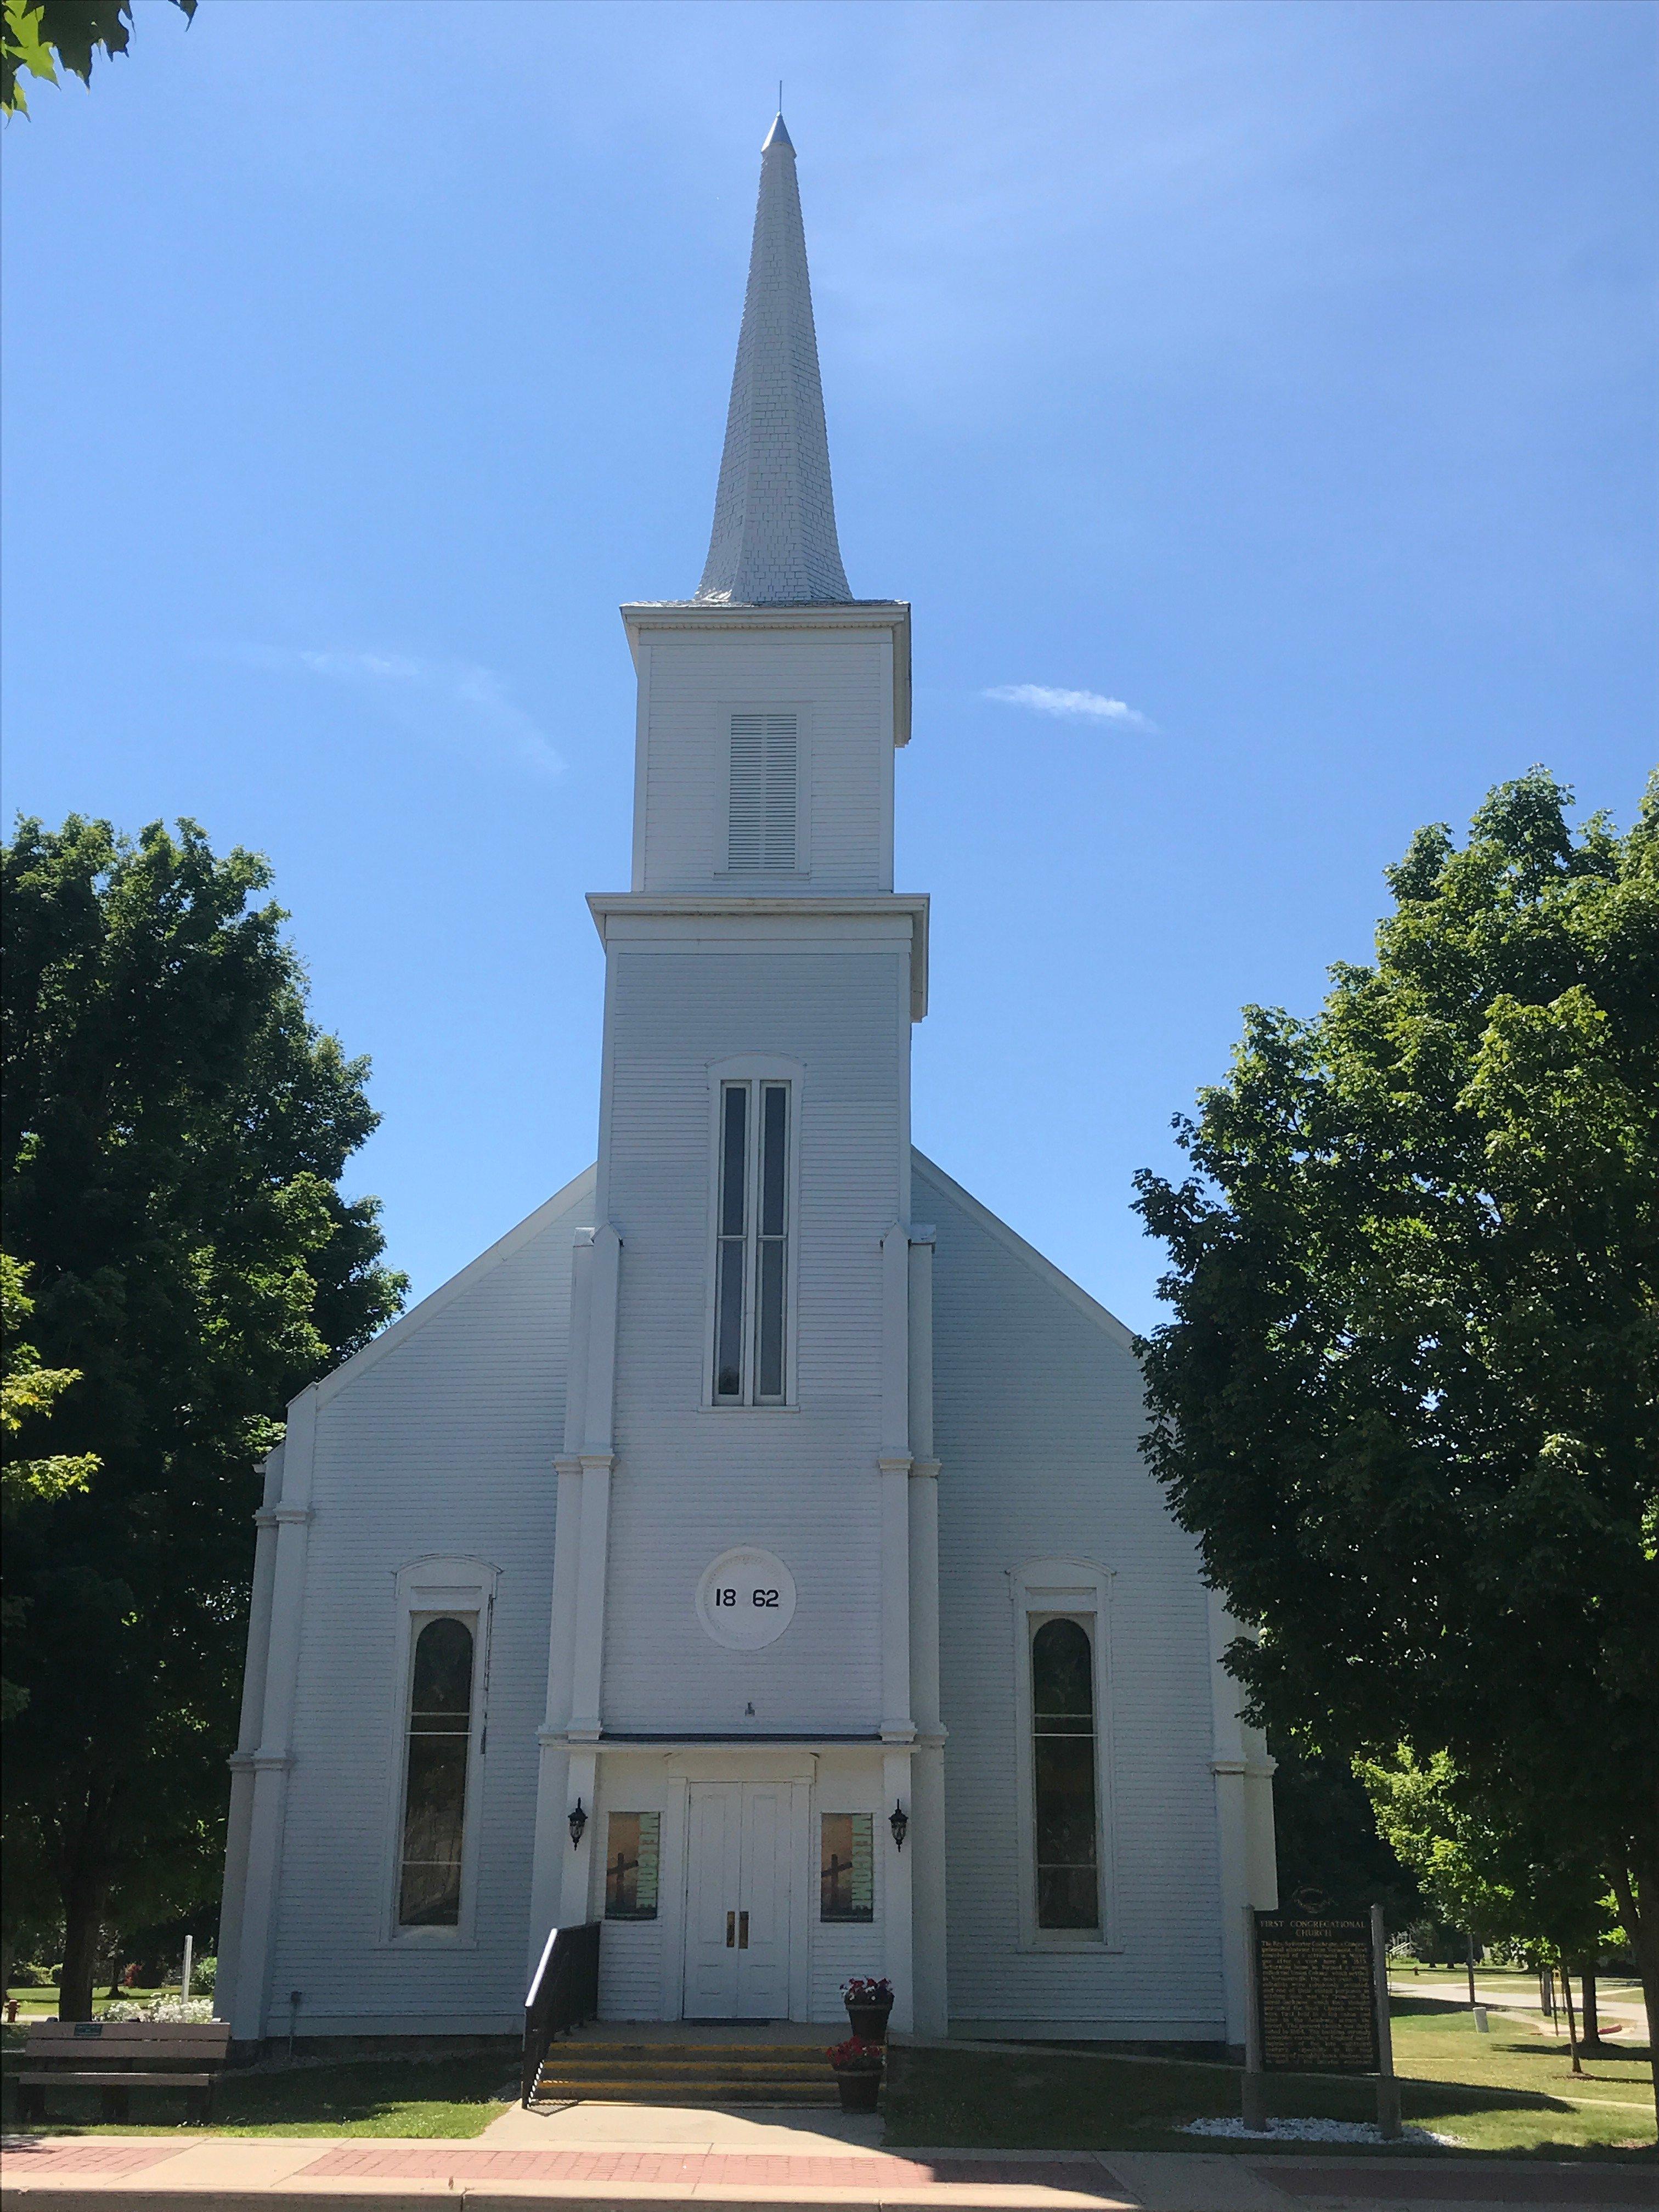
<point>1063,1770</point>
<point>435,1786</point>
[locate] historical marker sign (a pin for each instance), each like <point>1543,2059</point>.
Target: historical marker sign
<point>1315,1993</point>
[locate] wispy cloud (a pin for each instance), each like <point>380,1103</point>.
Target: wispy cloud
<point>451,702</point>
<point>1085,706</point>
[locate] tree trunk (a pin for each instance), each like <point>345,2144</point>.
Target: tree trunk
<point>1592,2035</point>
<point>1471,1995</point>
<point>83,1909</point>
<point>1573,2025</point>
<point>1637,1891</point>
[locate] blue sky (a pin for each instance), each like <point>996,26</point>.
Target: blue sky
<point>1283,373</point>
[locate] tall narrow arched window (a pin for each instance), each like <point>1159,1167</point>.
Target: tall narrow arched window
<point>752,1248</point>
<point>435,1775</point>
<point>1066,1825</point>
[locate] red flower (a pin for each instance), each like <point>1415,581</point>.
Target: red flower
<point>858,2055</point>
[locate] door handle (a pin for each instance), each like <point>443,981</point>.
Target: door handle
<point>729,1918</point>
<point>743,1931</point>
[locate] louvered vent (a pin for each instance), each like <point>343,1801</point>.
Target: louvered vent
<point>761,833</point>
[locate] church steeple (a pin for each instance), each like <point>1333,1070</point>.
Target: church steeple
<point>773,541</point>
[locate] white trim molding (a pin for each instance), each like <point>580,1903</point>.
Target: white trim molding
<point>769,917</point>
<point>641,618</point>
<point>434,1588</point>
<point>1069,1590</point>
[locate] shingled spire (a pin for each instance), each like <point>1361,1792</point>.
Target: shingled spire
<point>773,541</point>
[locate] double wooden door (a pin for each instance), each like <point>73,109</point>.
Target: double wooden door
<point>738,1895</point>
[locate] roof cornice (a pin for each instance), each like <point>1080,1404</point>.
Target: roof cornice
<point>774,906</point>
<point>643,618</point>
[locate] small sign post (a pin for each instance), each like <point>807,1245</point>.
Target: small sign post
<point>1253,2089</point>
<point>1388,2089</point>
<point>1319,2004</point>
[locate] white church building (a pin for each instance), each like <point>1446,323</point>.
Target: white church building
<point>751,1552</point>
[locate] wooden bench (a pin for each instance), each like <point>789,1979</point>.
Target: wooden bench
<point>115,2057</point>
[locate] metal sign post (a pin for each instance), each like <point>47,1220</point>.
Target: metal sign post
<point>1388,2089</point>
<point>1253,2088</point>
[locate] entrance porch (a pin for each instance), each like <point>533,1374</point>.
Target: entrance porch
<point>697,2063</point>
<point>738,1884</point>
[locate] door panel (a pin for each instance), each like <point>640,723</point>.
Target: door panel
<point>712,1878</point>
<point>737,1906</point>
<point>763,1961</point>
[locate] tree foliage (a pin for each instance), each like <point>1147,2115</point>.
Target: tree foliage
<point>43,36</point>
<point>1409,1398</point>
<point>28,1392</point>
<point>175,1130</point>
<point>1328,1840</point>
<point>1486,1871</point>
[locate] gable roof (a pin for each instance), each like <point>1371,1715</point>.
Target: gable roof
<point>404,1328</point>
<point>1028,1255</point>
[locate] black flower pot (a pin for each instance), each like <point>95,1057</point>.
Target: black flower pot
<point>859,2090</point>
<point>869,2020</point>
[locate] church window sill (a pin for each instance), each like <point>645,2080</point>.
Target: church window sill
<point>748,1413</point>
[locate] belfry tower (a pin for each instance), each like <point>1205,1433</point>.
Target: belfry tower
<point>745,1627</point>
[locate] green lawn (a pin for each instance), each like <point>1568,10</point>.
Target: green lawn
<point>42,2004</point>
<point>456,2097</point>
<point>1509,2091</point>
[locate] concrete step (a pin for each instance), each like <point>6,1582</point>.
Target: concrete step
<point>580,2047</point>
<point>688,2074</point>
<point>774,2097</point>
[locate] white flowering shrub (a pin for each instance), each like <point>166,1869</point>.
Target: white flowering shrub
<point>178,2009</point>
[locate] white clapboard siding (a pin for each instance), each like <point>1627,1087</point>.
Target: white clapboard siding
<point>842,817</point>
<point>802,1483</point>
<point>442,1443</point>
<point>630,1970</point>
<point>1037,1409</point>
<point>842,1949</point>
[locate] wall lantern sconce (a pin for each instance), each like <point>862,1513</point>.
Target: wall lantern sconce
<point>578,1822</point>
<point>899,1821</point>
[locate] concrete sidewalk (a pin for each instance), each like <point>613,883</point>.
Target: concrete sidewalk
<point>1630,2013</point>
<point>778,2165</point>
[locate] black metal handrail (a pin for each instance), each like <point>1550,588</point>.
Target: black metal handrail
<point>565,1991</point>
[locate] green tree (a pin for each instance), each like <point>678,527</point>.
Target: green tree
<point>28,1393</point>
<point>1327,1838</point>
<point>175,1129</point>
<point>43,36</point>
<point>1480,1868</point>
<point>1409,1399</point>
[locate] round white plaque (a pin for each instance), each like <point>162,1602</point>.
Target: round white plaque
<point>746,1598</point>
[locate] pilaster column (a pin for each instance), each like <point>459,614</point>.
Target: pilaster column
<point>926,1845</point>
<point>554,1796</point>
<point>896,1789</point>
<point>582,1773</point>
<point>1244,1818</point>
<point>239,1824</point>
<point>274,1754</point>
<point>894,1465</point>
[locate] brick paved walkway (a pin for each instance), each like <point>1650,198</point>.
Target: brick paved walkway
<point>1485,2183</point>
<point>87,2154</point>
<point>1083,2174</point>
